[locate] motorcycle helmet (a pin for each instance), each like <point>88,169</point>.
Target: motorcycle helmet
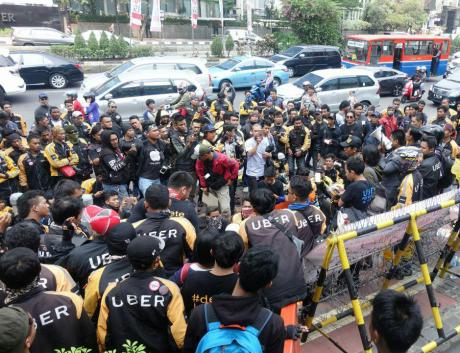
<point>408,157</point>
<point>71,94</point>
<point>433,130</point>
<point>418,68</point>
<point>203,105</point>
<point>306,83</point>
<point>182,87</point>
<point>89,95</point>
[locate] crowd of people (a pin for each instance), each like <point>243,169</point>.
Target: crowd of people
<point>185,231</point>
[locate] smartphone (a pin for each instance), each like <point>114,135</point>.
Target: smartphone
<point>317,177</point>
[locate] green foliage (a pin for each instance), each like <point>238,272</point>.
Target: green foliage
<point>267,46</point>
<point>5,32</point>
<point>104,43</point>
<point>71,52</point>
<point>217,47</point>
<point>113,47</point>
<point>123,47</point>
<point>79,41</point>
<point>92,44</point>
<point>286,39</point>
<point>314,21</point>
<point>356,25</point>
<point>347,4</point>
<point>388,15</point>
<point>137,51</point>
<point>229,44</point>
<point>134,347</point>
<point>73,350</point>
<point>103,18</point>
<point>455,44</point>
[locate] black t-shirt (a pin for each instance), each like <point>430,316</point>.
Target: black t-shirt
<point>277,187</point>
<point>200,286</point>
<point>359,194</point>
<point>153,158</point>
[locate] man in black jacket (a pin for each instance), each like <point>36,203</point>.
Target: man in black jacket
<point>153,158</point>
<point>431,167</point>
<point>60,319</point>
<point>329,136</point>
<point>258,268</point>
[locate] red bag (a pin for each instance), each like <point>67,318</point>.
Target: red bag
<point>67,171</point>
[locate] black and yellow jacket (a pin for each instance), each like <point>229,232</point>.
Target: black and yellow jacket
<point>218,106</point>
<point>177,233</point>
<point>20,122</point>
<point>34,171</point>
<point>98,282</point>
<point>156,300</point>
<point>60,320</point>
<point>56,278</point>
<point>246,108</point>
<point>7,167</point>
<point>59,155</point>
<point>411,189</point>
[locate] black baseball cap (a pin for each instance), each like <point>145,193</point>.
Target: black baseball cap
<point>352,141</point>
<point>143,250</point>
<point>119,237</point>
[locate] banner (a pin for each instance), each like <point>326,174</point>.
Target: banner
<point>135,17</point>
<point>155,25</point>
<point>221,8</point>
<point>249,15</point>
<point>194,10</point>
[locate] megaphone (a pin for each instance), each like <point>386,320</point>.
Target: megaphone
<point>380,136</point>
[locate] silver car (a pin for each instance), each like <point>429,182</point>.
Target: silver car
<point>131,90</point>
<point>147,64</point>
<point>334,86</point>
<point>39,36</point>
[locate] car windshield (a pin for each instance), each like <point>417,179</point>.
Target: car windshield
<point>356,50</point>
<point>6,61</point>
<point>227,65</point>
<point>455,77</point>
<point>310,77</point>
<point>119,69</point>
<point>106,86</point>
<point>292,51</point>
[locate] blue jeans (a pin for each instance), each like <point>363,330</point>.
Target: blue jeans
<point>145,183</point>
<point>121,189</point>
<point>293,161</point>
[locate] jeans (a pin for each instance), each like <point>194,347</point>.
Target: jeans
<point>144,184</point>
<point>121,189</point>
<point>293,161</point>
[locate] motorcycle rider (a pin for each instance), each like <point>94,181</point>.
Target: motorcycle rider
<point>411,188</point>
<point>220,106</point>
<point>247,106</point>
<point>183,101</point>
<point>309,98</point>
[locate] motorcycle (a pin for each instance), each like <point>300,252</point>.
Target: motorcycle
<point>259,93</point>
<point>421,72</point>
<point>412,92</point>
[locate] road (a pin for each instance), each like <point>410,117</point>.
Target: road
<point>26,103</point>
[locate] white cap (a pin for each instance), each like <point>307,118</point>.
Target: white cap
<point>76,114</point>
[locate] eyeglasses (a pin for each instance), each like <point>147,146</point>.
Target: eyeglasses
<point>44,98</point>
<point>113,106</point>
<point>350,116</point>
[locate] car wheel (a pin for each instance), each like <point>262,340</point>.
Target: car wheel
<point>58,81</point>
<point>291,72</point>
<point>276,82</point>
<point>366,105</point>
<point>222,83</point>
<point>397,90</point>
<point>28,44</point>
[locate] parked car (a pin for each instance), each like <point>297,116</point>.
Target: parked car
<point>302,59</point>
<point>42,68</point>
<point>246,71</point>
<point>446,88</point>
<point>98,33</point>
<point>452,66</point>
<point>334,85</point>
<point>146,64</point>
<point>391,81</point>
<point>242,36</point>
<point>11,82</point>
<point>39,36</point>
<point>130,90</point>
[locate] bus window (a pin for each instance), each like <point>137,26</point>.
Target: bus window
<point>388,47</point>
<point>376,52</point>
<point>356,50</point>
<point>445,46</point>
<point>419,47</point>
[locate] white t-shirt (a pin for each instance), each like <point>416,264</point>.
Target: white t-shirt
<point>255,163</point>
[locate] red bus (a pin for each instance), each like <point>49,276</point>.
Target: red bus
<point>402,52</point>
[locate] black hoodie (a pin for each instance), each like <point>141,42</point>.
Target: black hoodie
<point>238,311</point>
<point>113,162</point>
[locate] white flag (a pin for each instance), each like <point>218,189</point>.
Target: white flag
<point>249,15</point>
<point>136,14</point>
<point>194,7</point>
<point>155,24</point>
<point>221,7</point>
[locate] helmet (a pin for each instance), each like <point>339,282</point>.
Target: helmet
<point>89,95</point>
<point>433,130</point>
<point>306,83</point>
<point>182,87</point>
<point>408,156</point>
<point>418,68</point>
<point>203,105</point>
<point>72,94</point>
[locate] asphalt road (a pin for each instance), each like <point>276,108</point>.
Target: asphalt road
<point>26,103</point>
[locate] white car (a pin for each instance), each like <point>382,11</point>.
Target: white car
<point>334,85</point>
<point>146,64</point>
<point>11,82</point>
<point>242,36</point>
<point>131,90</point>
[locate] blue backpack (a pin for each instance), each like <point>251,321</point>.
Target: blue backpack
<point>232,338</point>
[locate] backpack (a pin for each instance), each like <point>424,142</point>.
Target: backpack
<point>447,163</point>
<point>232,338</point>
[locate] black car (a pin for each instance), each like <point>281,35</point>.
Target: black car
<point>42,68</point>
<point>391,81</point>
<point>447,88</point>
<point>302,59</point>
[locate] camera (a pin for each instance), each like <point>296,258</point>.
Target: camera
<point>165,169</point>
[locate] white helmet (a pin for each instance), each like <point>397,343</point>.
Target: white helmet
<point>306,83</point>
<point>182,87</point>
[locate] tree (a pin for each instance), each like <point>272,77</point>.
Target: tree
<point>386,15</point>
<point>104,42</point>
<point>314,21</point>
<point>229,44</point>
<point>347,4</point>
<point>93,45</point>
<point>216,46</point>
<point>78,41</point>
